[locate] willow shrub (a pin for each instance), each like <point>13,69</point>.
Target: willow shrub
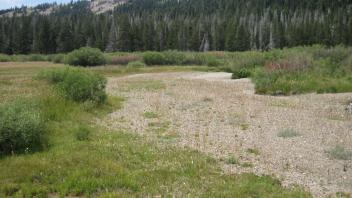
<point>86,56</point>
<point>21,128</point>
<point>77,84</point>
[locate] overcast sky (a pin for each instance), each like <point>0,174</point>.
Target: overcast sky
<point>4,4</point>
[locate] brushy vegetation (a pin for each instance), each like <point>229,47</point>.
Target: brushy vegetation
<point>303,70</point>
<point>288,133</point>
<point>276,72</point>
<point>136,64</point>
<point>154,58</point>
<point>232,160</point>
<point>150,115</point>
<point>339,152</point>
<point>82,132</point>
<point>123,59</point>
<point>254,151</point>
<point>21,128</point>
<point>86,57</point>
<point>77,84</point>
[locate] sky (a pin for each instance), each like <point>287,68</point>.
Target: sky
<point>4,4</point>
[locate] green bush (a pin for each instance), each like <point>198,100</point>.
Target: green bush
<point>86,56</point>
<point>136,64</point>
<point>154,58</point>
<point>241,73</point>
<point>58,58</point>
<point>213,61</point>
<point>174,58</point>
<point>77,84</point>
<point>36,58</point>
<point>232,160</point>
<point>21,128</point>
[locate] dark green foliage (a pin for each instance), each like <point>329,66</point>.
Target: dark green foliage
<point>36,57</point>
<point>174,58</point>
<point>195,25</point>
<point>154,58</point>
<point>21,128</point>
<point>59,58</point>
<point>241,73</point>
<point>77,84</point>
<point>86,57</point>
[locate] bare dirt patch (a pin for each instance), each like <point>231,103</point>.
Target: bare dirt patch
<point>287,137</point>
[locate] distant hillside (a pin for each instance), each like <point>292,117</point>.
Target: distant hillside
<point>194,25</point>
<point>96,6</point>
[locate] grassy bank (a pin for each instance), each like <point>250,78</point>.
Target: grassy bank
<point>81,158</point>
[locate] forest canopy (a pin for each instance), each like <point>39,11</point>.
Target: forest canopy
<point>187,25</point>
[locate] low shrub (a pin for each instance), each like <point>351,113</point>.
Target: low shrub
<point>288,133</point>
<point>339,152</point>
<point>136,64</point>
<point>36,58</point>
<point>82,133</point>
<point>232,160</point>
<point>21,128</point>
<point>248,60</point>
<point>154,58</point>
<point>174,58</point>
<point>336,54</point>
<point>124,60</point>
<point>5,58</point>
<point>58,58</point>
<point>77,84</point>
<point>195,59</point>
<point>212,61</point>
<point>241,73</point>
<point>86,56</point>
<point>293,63</point>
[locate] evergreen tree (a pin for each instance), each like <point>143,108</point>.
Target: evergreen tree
<point>112,43</point>
<point>44,36</point>
<point>2,39</point>
<point>183,25</point>
<point>65,38</point>
<point>242,39</point>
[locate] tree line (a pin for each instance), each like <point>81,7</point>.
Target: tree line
<point>194,25</point>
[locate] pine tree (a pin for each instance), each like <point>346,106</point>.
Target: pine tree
<point>112,45</point>
<point>24,37</point>
<point>242,39</point>
<point>230,44</point>
<point>2,39</point>
<point>124,34</point>
<point>65,38</point>
<point>44,36</point>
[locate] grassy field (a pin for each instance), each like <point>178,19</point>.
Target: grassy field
<point>81,158</point>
